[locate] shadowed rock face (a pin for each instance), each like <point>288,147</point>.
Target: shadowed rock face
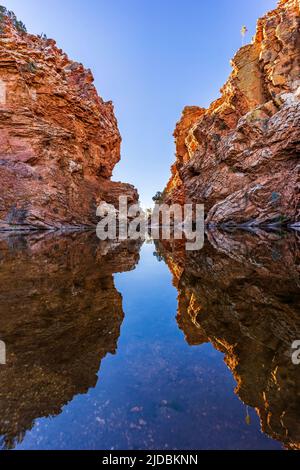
<point>59,141</point>
<point>241,293</point>
<point>60,315</point>
<point>240,157</point>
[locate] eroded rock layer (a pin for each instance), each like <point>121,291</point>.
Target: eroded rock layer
<point>59,141</point>
<point>240,157</point>
<point>59,317</point>
<point>241,293</point>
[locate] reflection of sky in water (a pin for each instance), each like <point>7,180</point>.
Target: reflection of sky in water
<point>156,392</point>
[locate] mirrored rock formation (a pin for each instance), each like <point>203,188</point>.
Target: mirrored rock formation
<point>60,315</point>
<point>241,293</point>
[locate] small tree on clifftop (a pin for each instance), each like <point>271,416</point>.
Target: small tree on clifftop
<point>244,31</point>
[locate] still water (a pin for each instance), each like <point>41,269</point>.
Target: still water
<point>147,347</point>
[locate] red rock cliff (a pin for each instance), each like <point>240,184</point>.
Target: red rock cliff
<point>59,141</point>
<point>240,157</point>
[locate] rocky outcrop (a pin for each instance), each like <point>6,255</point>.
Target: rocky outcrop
<point>241,294</point>
<point>240,157</point>
<point>59,141</point>
<point>58,318</point>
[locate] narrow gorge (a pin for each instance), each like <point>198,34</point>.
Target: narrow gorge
<point>124,327</point>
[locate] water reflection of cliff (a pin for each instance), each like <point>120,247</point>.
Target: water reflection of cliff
<point>60,314</point>
<point>241,293</point>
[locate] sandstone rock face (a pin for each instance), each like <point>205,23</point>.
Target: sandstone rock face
<point>241,294</point>
<point>59,141</point>
<point>58,318</point>
<point>240,157</point>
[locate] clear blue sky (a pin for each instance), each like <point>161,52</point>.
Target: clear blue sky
<point>151,57</point>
